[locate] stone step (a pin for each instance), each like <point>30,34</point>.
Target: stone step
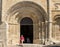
<point>27,45</point>
<point>34,45</point>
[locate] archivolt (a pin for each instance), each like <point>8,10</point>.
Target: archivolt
<point>27,5</point>
<point>56,17</point>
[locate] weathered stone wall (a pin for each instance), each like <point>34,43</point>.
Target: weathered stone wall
<point>13,38</point>
<point>54,12</point>
<point>56,25</point>
<point>13,34</point>
<point>13,26</point>
<point>3,37</point>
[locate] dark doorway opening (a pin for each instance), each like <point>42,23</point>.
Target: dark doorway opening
<point>26,28</point>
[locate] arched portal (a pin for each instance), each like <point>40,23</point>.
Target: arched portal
<point>26,29</point>
<point>35,16</point>
<point>56,28</point>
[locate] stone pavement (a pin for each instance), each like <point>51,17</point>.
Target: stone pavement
<point>34,45</point>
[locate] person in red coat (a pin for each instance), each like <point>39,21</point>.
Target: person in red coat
<point>22,39</point>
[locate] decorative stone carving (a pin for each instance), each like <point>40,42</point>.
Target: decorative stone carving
<point>57,6</point>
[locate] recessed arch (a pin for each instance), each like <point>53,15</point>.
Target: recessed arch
<point>56,28</point>
<point>26,29</point>
<point>56,17</point>
<point>27,5</point>
<point>32,10</point>
<point>26,21</point>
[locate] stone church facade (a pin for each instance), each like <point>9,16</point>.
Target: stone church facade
<point>37,19</point>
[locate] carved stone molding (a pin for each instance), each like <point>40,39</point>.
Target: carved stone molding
<point>57,6</point>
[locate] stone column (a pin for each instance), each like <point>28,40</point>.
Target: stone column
<point>50,32</point>
<point>42,33</point>
<point>50,21</point>
<point>46,31</point>
<point>0,10</point>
